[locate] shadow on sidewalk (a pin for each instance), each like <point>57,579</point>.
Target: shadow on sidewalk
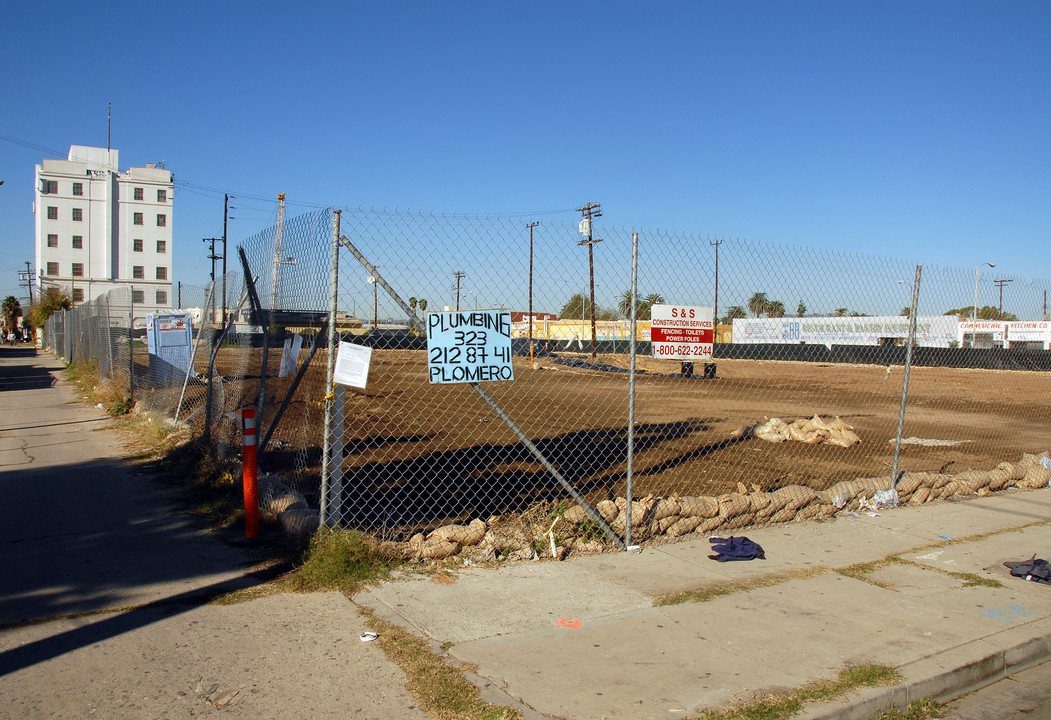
<point>17,374</point>
<point>121,622</point>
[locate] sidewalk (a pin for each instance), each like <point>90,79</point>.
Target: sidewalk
<point>118,581</point>
<point>631,659</point>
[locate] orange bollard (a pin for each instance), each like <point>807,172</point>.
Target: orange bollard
<point>249,473</point>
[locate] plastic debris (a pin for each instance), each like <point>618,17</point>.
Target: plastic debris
<point>368,636</point>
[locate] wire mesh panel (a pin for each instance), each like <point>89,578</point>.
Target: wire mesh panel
<point>789,410</point>
<point>420,454</point>
<point>291,267</point>
<point>804,393</point>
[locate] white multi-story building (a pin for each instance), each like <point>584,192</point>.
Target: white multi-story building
<point>98,228</point>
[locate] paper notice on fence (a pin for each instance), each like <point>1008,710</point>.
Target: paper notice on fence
<point>290,355</point>
<point>352,365</point>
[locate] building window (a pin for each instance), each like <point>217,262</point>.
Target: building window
<point>78,214</point>
<point>50,187</point>
<point>136,219</point>
<point>78,269</point>
<point>78,242</point>
<point>138,272</point>
<point>52,240</point>
<point>162,273</point>
<point>138,193</point>
<point>52,269</point>
<point>162,297</point>
<point>136,245</point>
<point>162,196</point>
<point>78,189</point>
<point>52,212</point>
<point>138,296</point>
<point>162,220</point>
<point>162,246</point>
<point>78,294</point>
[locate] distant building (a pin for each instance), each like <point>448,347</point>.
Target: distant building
<point>523,317</point>
<point>98,228</point>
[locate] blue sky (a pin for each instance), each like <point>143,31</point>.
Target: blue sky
<point>910,129</point>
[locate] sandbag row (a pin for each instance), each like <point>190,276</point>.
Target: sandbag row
<point>676,516</point>
<point>520,536</point>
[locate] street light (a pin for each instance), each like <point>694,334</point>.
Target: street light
<point>974,318</point>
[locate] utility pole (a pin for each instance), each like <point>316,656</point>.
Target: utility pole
<point>213,257</point>
<point>717,243</point>
<point>459,275</point>
<point>279,234</point>
<point>532,362</point>
<point>590,212</point>
<point>226,215</point>
<point>1000,284</point>
<point>29,281</point>
<point>375,300</point>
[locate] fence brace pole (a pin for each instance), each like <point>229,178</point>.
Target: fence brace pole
<point>631,388</point>
<point>327,442</point>
<point>371,270</point>
<point>591,511</point>
<point>905,383</point>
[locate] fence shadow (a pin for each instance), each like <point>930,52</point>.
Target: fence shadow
<point>490,479</point>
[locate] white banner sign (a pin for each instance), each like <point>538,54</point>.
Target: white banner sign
<point>680,332</point>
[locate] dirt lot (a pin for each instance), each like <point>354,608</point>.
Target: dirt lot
<point>419,454</point>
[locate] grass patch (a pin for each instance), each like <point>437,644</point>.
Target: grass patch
<point>785,705</point>
<point>717,591</point>
<point>920,710</point>
<point>107,392</point>
<point>343,560</point>
<point>440,688</point>
<point>210,483</point>
<point>863,571</point>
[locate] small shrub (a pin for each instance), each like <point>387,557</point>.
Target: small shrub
<point>339,560</point>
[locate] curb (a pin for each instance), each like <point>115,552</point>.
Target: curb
<point>971,666</point>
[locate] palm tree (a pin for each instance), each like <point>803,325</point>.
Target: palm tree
<point>12,310</point>
<point>775,309</point>
<point>757,303</point>
<point>625,303</point>
<point>736,312</point>
<point>800,309</point>
<point>654,299</point>
<point>840,312</point>
<point>412,304</point>
<point>423,305</point>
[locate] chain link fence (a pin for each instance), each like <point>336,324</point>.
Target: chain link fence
<point>837,381</point>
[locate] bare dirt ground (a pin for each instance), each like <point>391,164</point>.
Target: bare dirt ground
<point>419,453</point>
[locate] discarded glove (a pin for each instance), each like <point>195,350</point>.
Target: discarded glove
<point>1033,569</point>
<point>735,548</point>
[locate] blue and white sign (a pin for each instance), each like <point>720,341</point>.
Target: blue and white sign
<point>465,347</point>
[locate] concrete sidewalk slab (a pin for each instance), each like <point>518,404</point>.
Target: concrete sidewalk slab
<point>631,659</point>
<point>279,657</point>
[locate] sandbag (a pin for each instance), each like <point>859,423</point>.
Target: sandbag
<point>683,525</point>
<point>702,507</point>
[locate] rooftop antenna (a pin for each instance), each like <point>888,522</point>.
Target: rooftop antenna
<point>108,123</point>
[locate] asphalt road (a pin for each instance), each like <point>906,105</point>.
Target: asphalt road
<point>1022,696</point>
